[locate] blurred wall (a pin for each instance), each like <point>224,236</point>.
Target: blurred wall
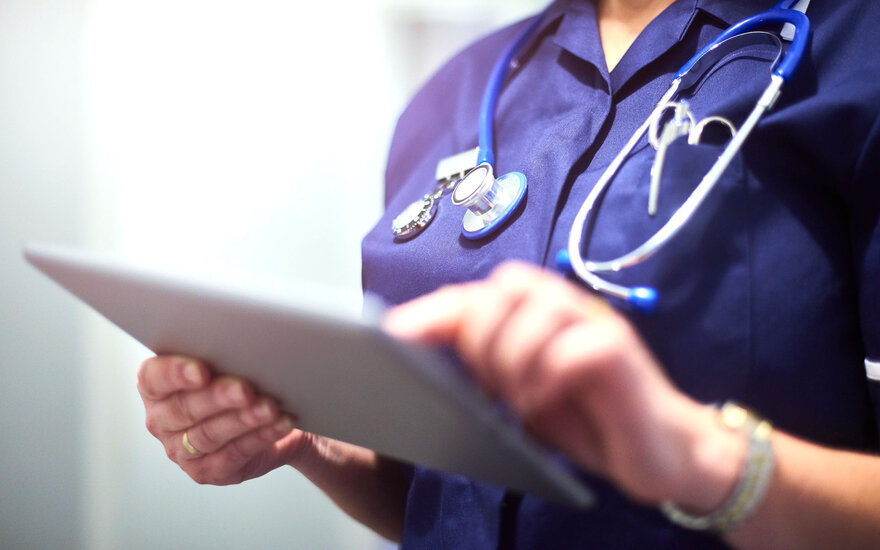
<point>41,181</point>
<point>212,135</point>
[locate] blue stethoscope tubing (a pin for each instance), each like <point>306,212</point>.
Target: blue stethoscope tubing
<point>493,91</point>
<point>513,183</point>
<point>644,298</point>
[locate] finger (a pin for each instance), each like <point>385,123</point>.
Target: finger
<point>163,375</point>
<point>487,317</point>
<point>542,304</point>
<point>527,332</point>
<point>430,319</point>
<point>552,305</point>
<point>582,359</point>
<point>217,431</point>
<point>565,427</point>
<point>184,409</point>
<point>593,385</point>
<point>233,462</point>
<point>479,328</point>
<point>435,317</point>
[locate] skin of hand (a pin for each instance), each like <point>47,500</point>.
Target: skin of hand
<point>581,379</point>
<point>239,433</point>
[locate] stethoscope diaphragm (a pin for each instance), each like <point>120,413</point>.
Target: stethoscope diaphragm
<point>489,201</point>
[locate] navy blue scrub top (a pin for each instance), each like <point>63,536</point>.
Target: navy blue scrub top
<point>770,296</point>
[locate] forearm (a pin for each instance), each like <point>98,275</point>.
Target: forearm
<point>818,498</point>
<point>369,488</point>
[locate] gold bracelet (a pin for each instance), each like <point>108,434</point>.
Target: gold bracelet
<point>753,480</point>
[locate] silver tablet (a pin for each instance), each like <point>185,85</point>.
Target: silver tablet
<point>340,375</point>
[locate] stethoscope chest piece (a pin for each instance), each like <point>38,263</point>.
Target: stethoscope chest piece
<point>414,218</point>
<point>489,201</point>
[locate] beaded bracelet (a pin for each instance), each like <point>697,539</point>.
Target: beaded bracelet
<point>753,480</point>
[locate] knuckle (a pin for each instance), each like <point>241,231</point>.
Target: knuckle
<point>152,423</point>
<point>206,435</point>
<point>515,274</point>
<point>205,471</point>
<point>233,453</point>
<point>201,475</point>
<point>555,294</point>
<point>182,405</point>
<point>448,290</point>
<point>615,346</point>
<point>507,268</point>
<point>602,362</point>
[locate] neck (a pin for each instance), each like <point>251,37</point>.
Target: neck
<point>621,22</point>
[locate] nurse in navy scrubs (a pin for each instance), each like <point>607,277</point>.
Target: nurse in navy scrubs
<point>770,299</point>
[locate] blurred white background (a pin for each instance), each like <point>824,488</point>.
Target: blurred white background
<point>222,135</point>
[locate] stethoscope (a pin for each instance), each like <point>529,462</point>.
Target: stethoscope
<point>470,176</point>
<point>490,201</point>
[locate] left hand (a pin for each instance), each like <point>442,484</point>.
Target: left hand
<point>582,379</point>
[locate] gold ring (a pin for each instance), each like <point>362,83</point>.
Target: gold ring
<point>188,446</point>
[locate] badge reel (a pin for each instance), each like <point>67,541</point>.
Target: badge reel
<point>489,201</point>
<point>418,215</point>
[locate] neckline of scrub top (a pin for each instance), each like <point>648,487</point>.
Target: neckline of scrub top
<point>578,32</point>
<point>730,12</point>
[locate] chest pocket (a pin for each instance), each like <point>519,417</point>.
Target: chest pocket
<point>700,329</point>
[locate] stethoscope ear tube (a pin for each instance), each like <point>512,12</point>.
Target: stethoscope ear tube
<point>571,259</point>
<point>641,298</point>
<point>796,51</point>
<point>645,298</point>
<point>493,91</point>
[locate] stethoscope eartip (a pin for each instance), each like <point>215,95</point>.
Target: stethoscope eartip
<point>642,298</point>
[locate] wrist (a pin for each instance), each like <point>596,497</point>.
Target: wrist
<point>323,460</point>
<point>754,473</point>
<point>716,456</point>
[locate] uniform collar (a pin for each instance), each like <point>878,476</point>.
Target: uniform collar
<point>578,31</point>
<point>730,12</point>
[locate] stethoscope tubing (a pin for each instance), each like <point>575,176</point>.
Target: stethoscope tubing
<point>493,91</point>
<point>644,298</point>
<point>796,50</point>
<point>684,213</point>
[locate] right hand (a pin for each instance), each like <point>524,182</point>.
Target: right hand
<point>238,433</point>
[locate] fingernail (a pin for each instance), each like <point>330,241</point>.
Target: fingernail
<point>235,392</point>
<point>283,425</point>
<point>263,410</point>
<point>192,373</point>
